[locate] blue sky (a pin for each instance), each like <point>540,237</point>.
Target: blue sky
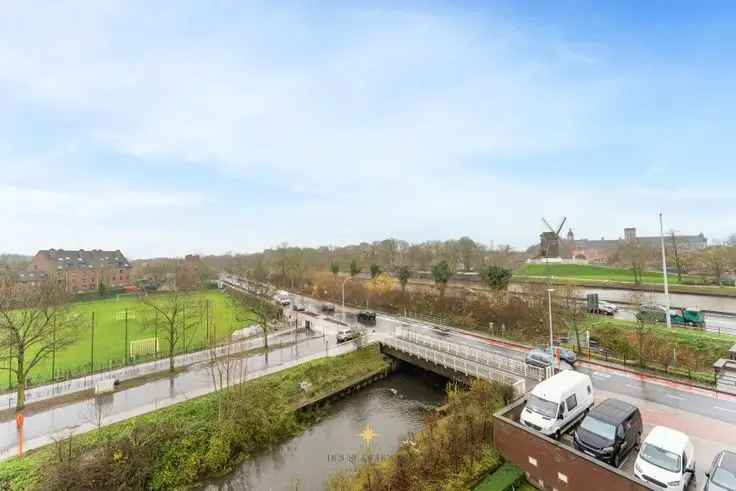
<point>233,126</point>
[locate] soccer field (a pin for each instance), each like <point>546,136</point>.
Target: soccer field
<point>110,333</point>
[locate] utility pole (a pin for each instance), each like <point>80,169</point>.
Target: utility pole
<point>664,273</point>
<point>551,335</point>
<point>343,297</point>
<point>126,337</point>
<point>92,345</point>
<point>53,353</point>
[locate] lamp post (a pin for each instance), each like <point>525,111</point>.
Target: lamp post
<point>551,339</point>
<point>343,296</point>
<point>664,273</point>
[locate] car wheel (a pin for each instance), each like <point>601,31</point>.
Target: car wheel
<point>557,435</point>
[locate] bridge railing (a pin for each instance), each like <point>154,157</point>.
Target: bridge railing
<point>458,364</point>
<point>494,360</point>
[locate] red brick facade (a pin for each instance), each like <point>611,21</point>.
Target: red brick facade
<point>81,271</point>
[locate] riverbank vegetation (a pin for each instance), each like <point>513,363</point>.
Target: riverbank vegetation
<point>453,451</point>
<point>191,441</point>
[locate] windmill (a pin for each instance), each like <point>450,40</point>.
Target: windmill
<point>549,244</point>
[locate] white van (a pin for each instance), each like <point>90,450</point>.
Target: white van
<point>558,402</point>
<point>666,459</point>
<point>282,297</point>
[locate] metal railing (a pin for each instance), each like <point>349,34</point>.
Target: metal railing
<point>458,364</point>
<point>494,360</point>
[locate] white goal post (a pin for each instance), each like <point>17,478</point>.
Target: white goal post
<point>146,346</point>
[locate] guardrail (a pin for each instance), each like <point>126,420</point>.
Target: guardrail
<point>499,362</point>
<point>458,364</point>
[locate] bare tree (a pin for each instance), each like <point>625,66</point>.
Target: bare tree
<point>225,368</point>
<point>263,311</point>
<point>33,325</point>
<point>715,259</point>
<point>675,246</point>
<point>636,254</point>
<point>574,312</point>
<point>175,316</point>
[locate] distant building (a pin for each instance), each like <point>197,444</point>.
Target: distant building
<point>600,250</point>
<point>81,270</point>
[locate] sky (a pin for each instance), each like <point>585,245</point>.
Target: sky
<point>165,128</point>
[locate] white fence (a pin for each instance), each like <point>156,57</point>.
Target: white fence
<point>44,392</point>
<point>462,365</point>
<point>494,360</point>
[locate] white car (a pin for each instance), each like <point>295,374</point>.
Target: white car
<point>666,459</point>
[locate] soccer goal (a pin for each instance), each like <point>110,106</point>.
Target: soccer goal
<point>144,347</point>
<point>120,316</point>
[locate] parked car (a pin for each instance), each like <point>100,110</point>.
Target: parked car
<point>605,308</point>
<point>346,334</point>
<point>610,431</point>
<point>722,473</point>
<point>558,402</point>
<point>666,459</point>
<point>299,308</point>
<point>367,317</point>
<point>543,357</point>
<point>328,307</point>
<point>539,358</point>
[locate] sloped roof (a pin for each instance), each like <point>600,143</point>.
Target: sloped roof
<point>80,259</point>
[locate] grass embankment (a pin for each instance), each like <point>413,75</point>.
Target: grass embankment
<point>453,452</point>
<point>109,333</point>
<point>508,477</point>
<point>590,272</point>
<point>182,444</point>
<point>678,351</point>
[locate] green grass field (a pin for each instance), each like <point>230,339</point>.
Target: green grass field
<point>109,334</point>
<point>589,272</point>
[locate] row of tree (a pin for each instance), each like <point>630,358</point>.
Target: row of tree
<point>713,262</point>
<point>288,266</point>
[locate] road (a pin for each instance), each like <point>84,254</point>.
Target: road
<point>708,417</point>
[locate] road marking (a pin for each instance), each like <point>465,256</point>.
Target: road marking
<point>725,409</point>
<point>601,375</point>
<point>675,397</point>
<point>630,386</point>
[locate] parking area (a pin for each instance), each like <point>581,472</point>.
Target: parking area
<point>709,435</point>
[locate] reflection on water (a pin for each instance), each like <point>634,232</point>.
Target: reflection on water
<point>382,414</point>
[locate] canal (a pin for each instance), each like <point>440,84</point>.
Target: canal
<point>385,413</point>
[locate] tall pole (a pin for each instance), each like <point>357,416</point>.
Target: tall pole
<point>53,353</point>
<point>664,273</point>
<point>343,297</point>
<point>551,336</point>
<point>92,357</point>
<point>125,350</point>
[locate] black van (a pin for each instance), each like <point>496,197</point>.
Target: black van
<point>609,432</point>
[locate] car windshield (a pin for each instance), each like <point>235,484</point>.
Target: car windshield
<point>724,478</point>
<point>600,428</point>
<point>660,457</point>
<point>541,406</point>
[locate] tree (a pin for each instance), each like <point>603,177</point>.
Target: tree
<point>354,268</point>
<point>496,277</point>
<point>404,275</point>
<point>174,316</point>
<point>441,275</point>
<point>34,324</point>
<point>335,268</point>
<point>574,312</point>
<point>636,254</point>
<point>101,288</point>
<point>375,270</point>
<point>715,261</point>
<point>263,311</point>
<point>675,245</point>
<point>468,252</point>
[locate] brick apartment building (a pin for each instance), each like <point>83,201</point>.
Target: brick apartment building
<point>82,270</point>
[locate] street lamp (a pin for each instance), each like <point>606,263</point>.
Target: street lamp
<point>551,340</point>
<point>343,296</point>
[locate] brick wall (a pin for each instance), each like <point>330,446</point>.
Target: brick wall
<point>551,465</point>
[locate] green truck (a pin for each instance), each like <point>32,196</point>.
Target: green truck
<point>680,317</point>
